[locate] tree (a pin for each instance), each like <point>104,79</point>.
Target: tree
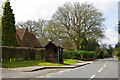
<point>92,44</point>
<point>8,26</point>
<point>107,49</point>
<point>41,24</point>
<point>1,9</point>
<point>37,28</point>
<point>0,32</point>
<point>110,50</point>
<point>53,30</point>
<point>106,54</point>
<point>84,44</point>
<point>115,51</point>
<point>79,21</point>
<point>119,27</point>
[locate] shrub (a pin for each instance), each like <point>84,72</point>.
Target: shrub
<point>76,54</point>
<point>21,53</point>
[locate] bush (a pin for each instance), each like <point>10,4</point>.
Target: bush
<point>76,54</point>
<point>21,53</point>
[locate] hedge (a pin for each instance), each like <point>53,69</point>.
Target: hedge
<point>21,53</point>
<point>76,54</point>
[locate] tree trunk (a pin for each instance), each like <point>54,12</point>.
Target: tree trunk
<point>78,47</point>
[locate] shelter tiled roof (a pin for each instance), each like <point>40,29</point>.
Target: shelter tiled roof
<point>64,44</point>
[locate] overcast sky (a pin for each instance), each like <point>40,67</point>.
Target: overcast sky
<point>35,9</point>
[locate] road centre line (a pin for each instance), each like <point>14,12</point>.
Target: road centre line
<point>104,65</point>
<point>100,70</point>
<point>91,77</point>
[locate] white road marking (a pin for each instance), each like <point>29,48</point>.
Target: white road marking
<point>104,65</point>
<point>100,70</point>
<point>92,77</point>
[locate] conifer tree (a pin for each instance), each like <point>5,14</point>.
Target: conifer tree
<point>119,27</point>
<point>8,26</point>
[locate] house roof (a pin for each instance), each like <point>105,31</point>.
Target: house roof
<point>20,32</point>
<point>36,43</point>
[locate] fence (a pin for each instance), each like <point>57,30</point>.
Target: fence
<point>22,53</point>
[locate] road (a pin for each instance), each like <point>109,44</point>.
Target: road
<point>105,68</point>
<point>6,73</point>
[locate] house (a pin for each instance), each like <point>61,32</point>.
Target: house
<point>52,53</point>
<point>26,38</point>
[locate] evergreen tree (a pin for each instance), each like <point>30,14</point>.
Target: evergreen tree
<point>119,27</point>
<point>8,26</point>
<point>0,33</point>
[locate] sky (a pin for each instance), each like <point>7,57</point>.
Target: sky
<point>44,9</point>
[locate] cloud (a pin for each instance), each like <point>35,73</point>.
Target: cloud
<point>34,9</point>
<point>111,36</point>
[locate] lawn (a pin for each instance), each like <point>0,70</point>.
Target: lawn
<point>119,58</point>
<point>70,61</point>
<point>16,64</point>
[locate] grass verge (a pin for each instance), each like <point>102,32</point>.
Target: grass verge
<point>70,61</point>
<point>16,64</point>
<point>119,58</point>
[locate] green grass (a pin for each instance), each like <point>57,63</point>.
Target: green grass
<point>0,64</point>
<point>16,64</point>
<point>70,61</point>
<point>119,58</point>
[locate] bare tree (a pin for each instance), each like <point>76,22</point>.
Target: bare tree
<point>41,25</point>
<point>35,27</point>
<point>79,21</point>
<point>53,30</point>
